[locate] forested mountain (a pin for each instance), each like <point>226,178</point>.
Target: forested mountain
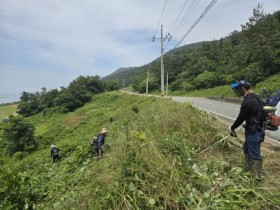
<point>129,74</point>
<point>252,53</point>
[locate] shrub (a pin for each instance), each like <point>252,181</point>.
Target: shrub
<point>20,155</point>
<point>19,134</point>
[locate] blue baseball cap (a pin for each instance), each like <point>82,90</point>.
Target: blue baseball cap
<point>240,83</point>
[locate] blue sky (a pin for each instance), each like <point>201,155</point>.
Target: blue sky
<point>49,43</point>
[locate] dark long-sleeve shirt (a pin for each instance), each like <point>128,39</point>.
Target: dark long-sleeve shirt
<point>100,141</point>
<point>54,151</point>
<point>251,113</point>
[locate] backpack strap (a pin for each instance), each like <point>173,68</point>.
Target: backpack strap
<point>263,114</point>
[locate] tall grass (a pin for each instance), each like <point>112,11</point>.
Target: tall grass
<point>149,161</point>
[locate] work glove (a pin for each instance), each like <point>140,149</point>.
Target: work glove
<point>232,132</point>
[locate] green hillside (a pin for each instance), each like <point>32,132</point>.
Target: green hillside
<point>270,83</point>
<point>149,161</point>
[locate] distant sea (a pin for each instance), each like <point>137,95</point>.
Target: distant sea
<point>9,98</point>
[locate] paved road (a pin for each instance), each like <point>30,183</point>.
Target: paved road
<point>225,110</point>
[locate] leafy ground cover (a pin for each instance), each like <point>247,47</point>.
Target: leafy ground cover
<point>149,162</point>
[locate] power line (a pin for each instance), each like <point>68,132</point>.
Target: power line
<point>191,8</point>
<point>161,16</point>
<point>167,11</point>
<point>179,15</point>
<point>184,19</point>
<point>196,22</point>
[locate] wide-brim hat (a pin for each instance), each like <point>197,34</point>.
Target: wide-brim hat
<point>53,146</point>
<point>104,130</point>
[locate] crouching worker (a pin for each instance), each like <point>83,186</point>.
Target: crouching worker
<point>100,142</point>
<point>54,153</point>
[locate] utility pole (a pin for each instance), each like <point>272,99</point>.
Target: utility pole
<point>166,83</point>
<point>147,83</point>
<point>161,61</point>
<point>162,39</point>
<point>123,82</point>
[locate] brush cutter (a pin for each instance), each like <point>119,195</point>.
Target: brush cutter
<point>232,133</point>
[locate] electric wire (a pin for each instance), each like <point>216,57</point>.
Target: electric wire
<point>196,22</point>
<point>187,14</point>
<point>167,11</point>
<point>181,25</point>
<point>178,16</point>
<point>160,17</point>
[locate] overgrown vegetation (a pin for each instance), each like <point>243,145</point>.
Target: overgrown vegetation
<point>18,135</point>
<point>222,92</point>
<point>149,161</point>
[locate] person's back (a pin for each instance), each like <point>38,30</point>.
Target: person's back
<point>100,142</point>
<point>54,153</point>
<point>252,108</point>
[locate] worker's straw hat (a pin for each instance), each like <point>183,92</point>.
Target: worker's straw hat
<point>104,130</point>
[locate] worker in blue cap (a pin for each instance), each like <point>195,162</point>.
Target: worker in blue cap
<point>251,113</point>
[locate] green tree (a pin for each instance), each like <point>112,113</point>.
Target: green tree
<point>29,104</point>
<point>46,99</point>
<point>207,80</point>
<point>19,135</point>
<point>68,100</point>
<point>261,37</point>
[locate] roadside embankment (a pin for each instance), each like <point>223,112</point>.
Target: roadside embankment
<point>230,100</point>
